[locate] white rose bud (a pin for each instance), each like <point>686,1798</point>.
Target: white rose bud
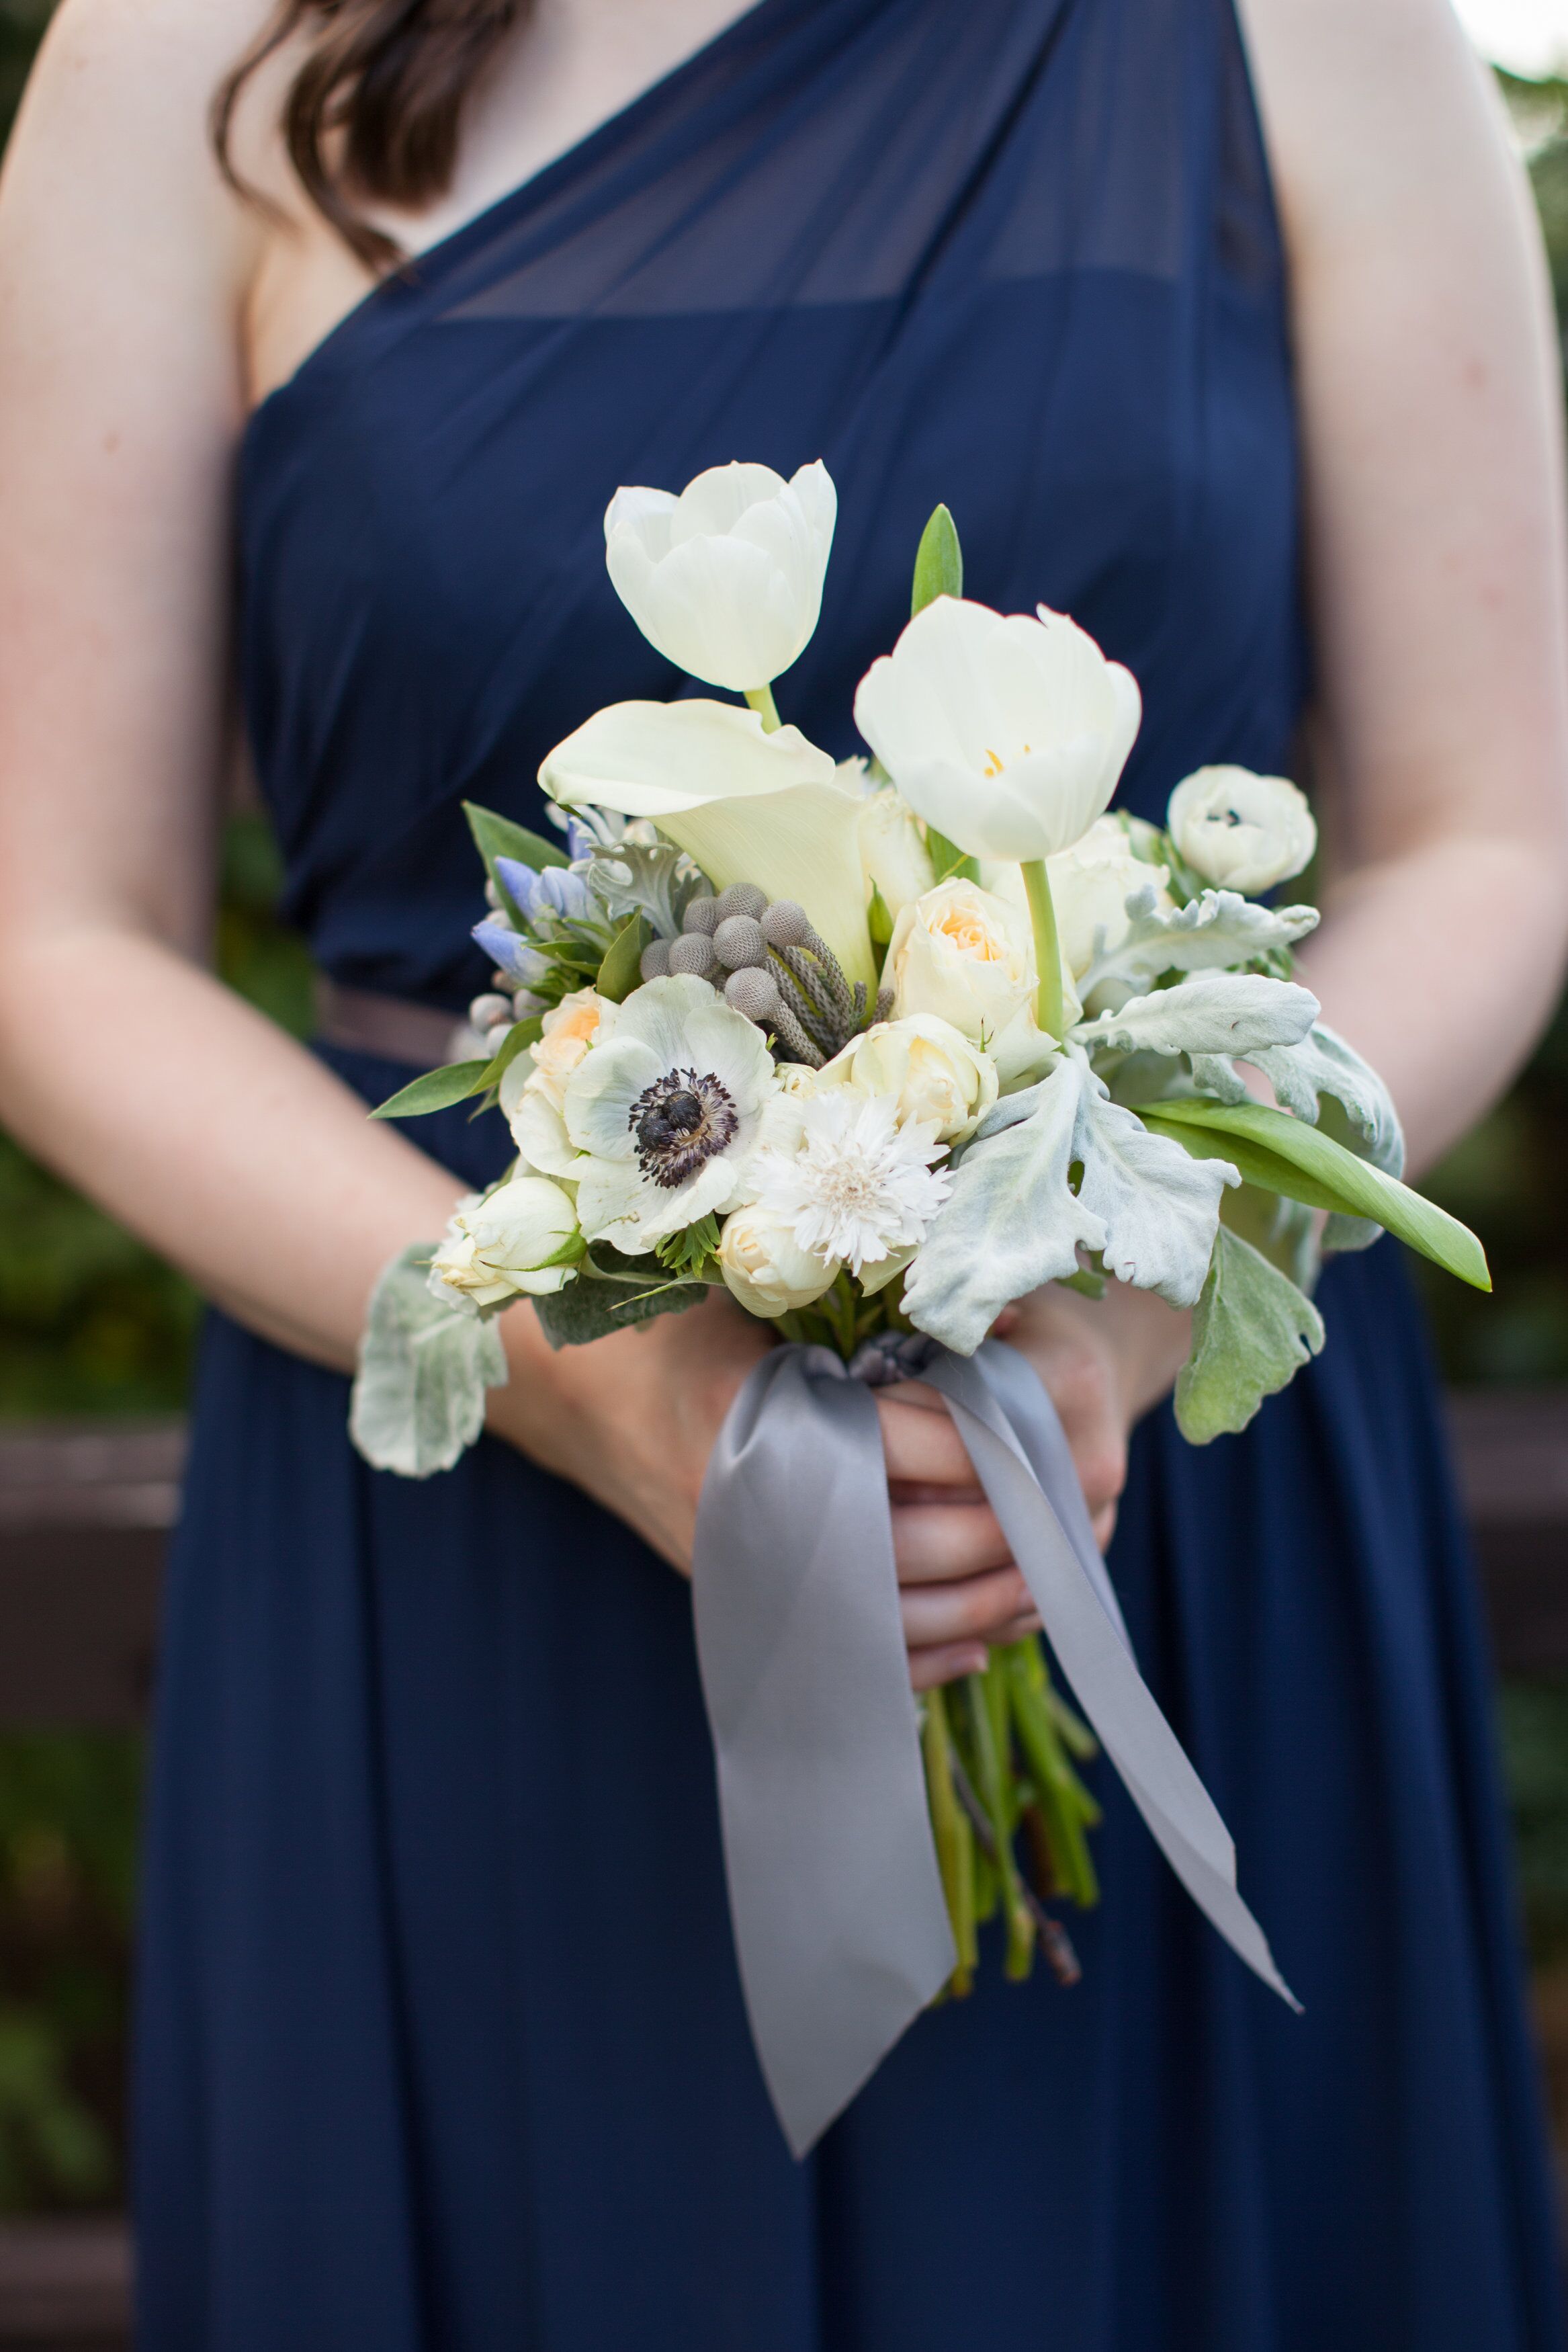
<point>967,956</point>
<point>1090,887</point>
<point>764,1265</point>
<point>926,1066</point>
<point>894,855</point>
<point>500,1246</point>
<point>727,580</point>
<point>1241,831</point>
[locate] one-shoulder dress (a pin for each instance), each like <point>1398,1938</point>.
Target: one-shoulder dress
<point>440,2044</point>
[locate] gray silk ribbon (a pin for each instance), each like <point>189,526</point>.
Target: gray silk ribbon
<point>841,1927</point>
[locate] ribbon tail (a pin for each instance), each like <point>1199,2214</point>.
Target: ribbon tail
<point>1087,1634</point>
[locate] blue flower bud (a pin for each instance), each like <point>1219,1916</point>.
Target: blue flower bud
<point>521,964</point>
<point>566,894</point>
<point>519,881</point>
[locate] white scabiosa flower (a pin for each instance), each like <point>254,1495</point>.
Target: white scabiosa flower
<point>859,1187</point>
<point>726,580</point>
<point>666,1113</point>
<point>1242,831</point>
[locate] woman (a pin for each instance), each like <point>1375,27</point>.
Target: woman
<point>441,2043</point>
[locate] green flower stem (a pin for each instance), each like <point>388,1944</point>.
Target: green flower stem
<point>954,1840</point>
<point>1047,948</point>
<point>995,1776</point>
<point>843,1308</point>
<point>761,700</point>
<point>1066,1807</point>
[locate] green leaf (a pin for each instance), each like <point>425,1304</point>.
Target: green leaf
<point>496,836</point>
<point>453,1083</point>
<point>518,1037</point>
<point>620,972</point>
<point>948,860</point>
<point>879,918</point>
<point>938,562</point>
<point>690,1250</point>
<point>1285,1155</point>
<point>418,1399</point>
<point>589,1309</point>
<point>1252,1330</point>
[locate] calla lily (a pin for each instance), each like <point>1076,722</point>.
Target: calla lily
<point>1007,734</point>
<point>726,580</point>
<point>747,805</point>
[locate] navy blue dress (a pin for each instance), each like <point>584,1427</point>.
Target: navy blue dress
<point>442,2048</point>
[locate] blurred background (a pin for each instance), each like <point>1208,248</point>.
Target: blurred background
<point>91,1326</point>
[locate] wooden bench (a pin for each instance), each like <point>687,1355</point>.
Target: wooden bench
<point>85,1511</point>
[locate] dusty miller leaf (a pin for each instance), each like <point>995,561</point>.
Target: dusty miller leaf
<point>612,1293</point>
<point>418,1399</point>
<point>1252,1330</point>
<point>1158,1214</point>
<point>1011,1221</point>
<point>1217,929</point>
<point>1214,1013</point>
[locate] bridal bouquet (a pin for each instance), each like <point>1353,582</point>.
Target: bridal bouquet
<point>880,1046</point>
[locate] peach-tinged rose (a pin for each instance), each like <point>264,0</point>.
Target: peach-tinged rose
<point>582,1020</point>
<point>926,1066</point>
<point>967,956</point>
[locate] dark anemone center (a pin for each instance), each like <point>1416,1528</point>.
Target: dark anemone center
<point>680,1121</point>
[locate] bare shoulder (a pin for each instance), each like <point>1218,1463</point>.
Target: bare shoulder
<point>113,133</point>
<point>1373,108</point>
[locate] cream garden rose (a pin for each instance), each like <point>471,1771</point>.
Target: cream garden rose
<point>764,1265</point>
<point>1242,831</point>
<point>500,1245</point>
<point>967,955</point>
<point>925,1067</point>
<point>1090,885</point>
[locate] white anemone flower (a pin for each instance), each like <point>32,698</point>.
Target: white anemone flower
<point>1007,734</point>
<point>858,1187</point>
<point>1242,831</point>
<point>726,580</point>
<point>667,1111</point>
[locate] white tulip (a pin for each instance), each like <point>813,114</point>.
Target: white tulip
<point>1242,831</point>
<point>966,955</point>
<point>1090,885</point>
<point>1008,735</point>
<point>764,1265</point>
<point>749,805</point>
<point>925,1067</point>
<point>894,855</point>
<point>500,1245</point>
<point>726,580</point>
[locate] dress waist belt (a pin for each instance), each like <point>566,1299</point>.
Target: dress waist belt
<point>358,1020</point>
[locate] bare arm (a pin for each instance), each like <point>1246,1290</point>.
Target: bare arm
<point>1431,408</point>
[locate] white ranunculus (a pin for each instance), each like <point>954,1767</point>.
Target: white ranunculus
<point>500,1245</point>
<point>726,580</point>
<point>747,805</point>
<point>925,1066</point>
<point>764,1267</point>
<point>894,855</point>
<point>1242,831</point>
<point>967,956</point>
<point>1007,734</point>
<point>1090,885</point>
<point>666,1114</point>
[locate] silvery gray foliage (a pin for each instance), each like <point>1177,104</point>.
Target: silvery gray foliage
<point>1252,1331</point>
<point>1013,1221</point>
<point>1322,1065</point>
<point>1217,929</point>
<point>418,1399</point>
<point>652,878</point>
<point>1213,1012</point>
<point>591,1309</point>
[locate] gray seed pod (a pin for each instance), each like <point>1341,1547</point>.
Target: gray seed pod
<point>701,915</point>
<point>742,898</point>
<point>694,953</point>
<point>486,1011</point>
<point>739,943</point>
<point>753,992</point>
<point>655,961</point>
<point>784,924</point>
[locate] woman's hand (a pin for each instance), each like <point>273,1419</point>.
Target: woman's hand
<point>1104,1364</point>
